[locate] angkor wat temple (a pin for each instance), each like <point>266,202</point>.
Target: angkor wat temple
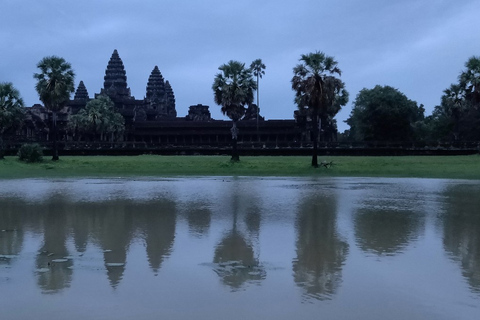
<point>152,122</point>
<point>152,126</point>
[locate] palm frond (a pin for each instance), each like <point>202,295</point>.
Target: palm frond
<point>233,89</point>
<point>315,85</point>
<point>55,82</point>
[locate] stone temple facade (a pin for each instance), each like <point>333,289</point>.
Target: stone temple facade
<point>152,122</point>
<point>159,101</point>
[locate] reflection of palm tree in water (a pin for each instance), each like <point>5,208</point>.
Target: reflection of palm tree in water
<point>235,261</point>
<point>234,258</point>
<point>461,231</point>
<point>386,232</point>
<point>320,252</point>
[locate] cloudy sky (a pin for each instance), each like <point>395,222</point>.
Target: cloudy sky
<point>416,46</point>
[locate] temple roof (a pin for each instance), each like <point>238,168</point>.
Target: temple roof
<point>115,80</point>
<point>81,93</point>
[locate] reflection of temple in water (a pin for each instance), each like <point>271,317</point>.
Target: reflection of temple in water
<point>332,248</point>
<point>53,263</point>
<point>199,217</point>
<point>321,253</point>
<point>11,233</point>
<point>158,221</point>
<point>112,226</point>
<point>461,231</point>
<point>64,240</point>
<point>113,231</point>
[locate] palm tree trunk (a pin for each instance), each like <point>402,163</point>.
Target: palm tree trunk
<point>55,146</point>
<point>234,130</point>
<point>258,105</point>
<point>456,127</point>
<point>94,130</point>
<point>315,140</point>
<point>2,152</point>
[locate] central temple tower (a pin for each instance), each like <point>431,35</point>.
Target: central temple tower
<point>115,80</point>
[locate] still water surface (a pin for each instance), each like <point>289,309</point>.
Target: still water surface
<point>240,248</point>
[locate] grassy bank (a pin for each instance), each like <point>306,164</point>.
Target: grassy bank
<point>461,167</point>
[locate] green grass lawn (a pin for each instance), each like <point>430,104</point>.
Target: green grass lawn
<point>461,167</point>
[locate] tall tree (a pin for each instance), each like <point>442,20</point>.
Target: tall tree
<point>457,118</point>
<point>384,114</point>
<point>258,67</point>
<point>55,83</point>
<point>233,89</point>
<point>470,80</point>
<point>439,125</point>
<point>454,104</point>
<point>318,91</point>
<point>11,110</point>
<point>98,117</point>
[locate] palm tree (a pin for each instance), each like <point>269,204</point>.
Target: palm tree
<point>11,110</point>
<point>454,101</point>
<point>258,68</point>
<point>93,114</point>
<point>318,91</point>
<point>55,83</point>
<point>470,80</point>
<point>233,88</point>
<point>98,116</point>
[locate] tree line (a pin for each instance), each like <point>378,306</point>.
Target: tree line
<point>386,114</point>
<point>382,113</point>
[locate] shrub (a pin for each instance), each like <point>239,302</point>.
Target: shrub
<point>30,152</point>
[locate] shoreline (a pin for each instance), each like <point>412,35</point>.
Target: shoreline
<point>442,167</point>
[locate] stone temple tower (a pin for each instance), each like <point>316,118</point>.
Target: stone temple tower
<point>81,93</point>
<point>115,80</point>
<point>170,95</point>
<point>159,96</point>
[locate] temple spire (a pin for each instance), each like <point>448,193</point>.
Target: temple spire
<point>155,85</point>
<point>170,100</point>
<point>115,80</point>
<point>81,93</point>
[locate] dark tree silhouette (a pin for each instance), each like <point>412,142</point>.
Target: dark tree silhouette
<point>258,67</point>
<point>55,83</point>
<point>11,110</point>
<point>318,91</point>
<point>233,89</point>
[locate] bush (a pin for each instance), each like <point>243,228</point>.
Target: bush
<point>30,153</point>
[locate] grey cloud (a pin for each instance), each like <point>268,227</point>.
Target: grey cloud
<point>417,46</point>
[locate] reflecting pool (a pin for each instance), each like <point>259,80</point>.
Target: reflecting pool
<point>239,248</point>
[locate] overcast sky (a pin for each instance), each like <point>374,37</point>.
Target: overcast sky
<point>416,46</point>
